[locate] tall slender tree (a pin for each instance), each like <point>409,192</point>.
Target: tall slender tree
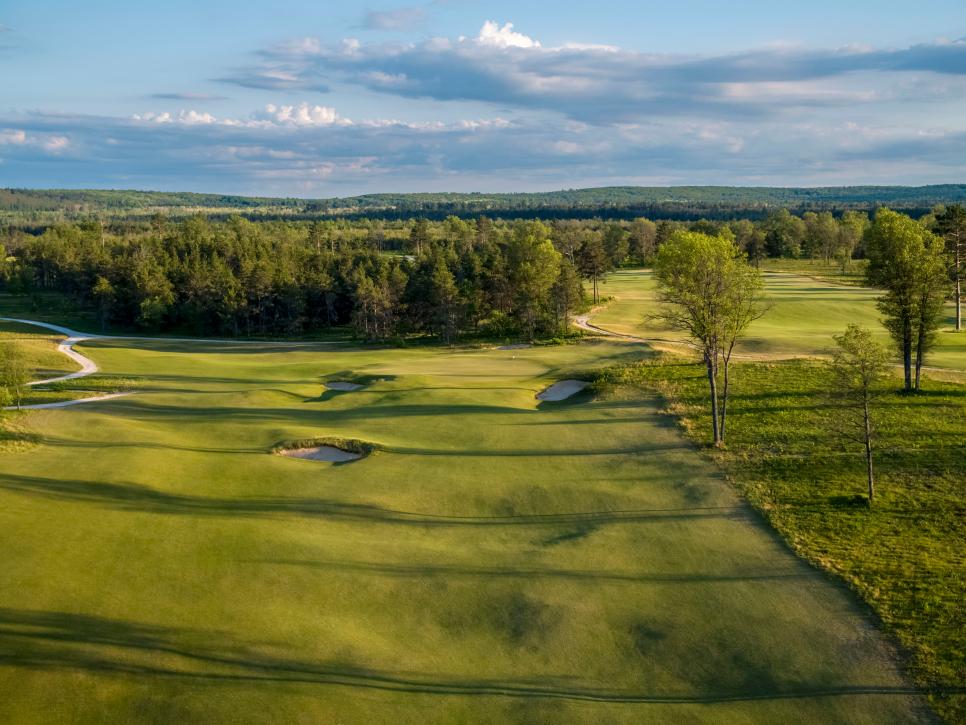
<point>858,365</point>
<point>709,291</point>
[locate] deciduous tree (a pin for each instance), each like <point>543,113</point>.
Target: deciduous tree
<point>709,291</point>
<point>858,365</point>
<point>907,261</point>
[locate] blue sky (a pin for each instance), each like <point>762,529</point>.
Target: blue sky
<point>337,98</point>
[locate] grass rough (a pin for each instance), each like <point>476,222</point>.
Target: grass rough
<point>905,555</point>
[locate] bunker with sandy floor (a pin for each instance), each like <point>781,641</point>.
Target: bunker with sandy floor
<point>327,450</point>
<point>327,454</point>
<point>561,390</point>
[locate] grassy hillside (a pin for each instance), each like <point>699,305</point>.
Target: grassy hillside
<point>496,559</point>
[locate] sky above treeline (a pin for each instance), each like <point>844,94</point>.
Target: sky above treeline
<point>326,98</point>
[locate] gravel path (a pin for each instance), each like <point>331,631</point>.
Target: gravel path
<point>88,366</point>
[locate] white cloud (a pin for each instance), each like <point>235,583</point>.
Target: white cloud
<point>18,137</point>
<point>56,144</point>
<point>603,84</point>
<point>296,148</point>
<point>12,136</point>
<point>303,115</point>
<point>504,37</point>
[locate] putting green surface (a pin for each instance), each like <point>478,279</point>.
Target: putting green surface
<point>803,313</point>
<point>497,560</point>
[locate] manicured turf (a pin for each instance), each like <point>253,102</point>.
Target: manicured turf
<point>496,560</point>
<point>803,315</point>
<point>39,348</point>
<point>787,455</point>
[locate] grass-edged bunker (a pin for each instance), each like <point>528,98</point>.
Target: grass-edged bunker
<point>561,390</point>
<point>327,450</point>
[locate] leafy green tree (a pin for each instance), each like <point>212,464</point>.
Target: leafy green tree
<point>14,373</point>
<point>643,240</point>
<point>784,233</point>
<point>615,244</point>
<point>751,238</point>
<point>592,261</point>
<point>419,236</point>
<point>821,235</point>
<point>852,228</point>
<point>534,267</point>
<point>710,292</point>
<point>907,261</point>
<point>858,366</point>
<point>103,294</point>
<point>567,295</point>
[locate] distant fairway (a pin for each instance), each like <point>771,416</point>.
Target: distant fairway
<point>498,560</point>
<point>803,316</point>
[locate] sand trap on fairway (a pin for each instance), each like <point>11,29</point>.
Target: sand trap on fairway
<point>562,390</point>
<point>329,454</point>
<point>516,346</point>
<point>343,386</point>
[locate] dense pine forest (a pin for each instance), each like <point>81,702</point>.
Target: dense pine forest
<point>384,279</point>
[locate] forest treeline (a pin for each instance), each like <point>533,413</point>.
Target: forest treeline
<point>33,208</point>
<point>384,279</point>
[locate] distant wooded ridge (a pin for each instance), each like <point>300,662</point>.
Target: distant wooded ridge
<point>613,202</point>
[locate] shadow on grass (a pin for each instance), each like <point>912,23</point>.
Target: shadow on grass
<point>134,497</point>
<point>51,641</point>
<point>534,573</point>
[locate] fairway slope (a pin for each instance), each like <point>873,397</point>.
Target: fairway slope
<point>495,562</point>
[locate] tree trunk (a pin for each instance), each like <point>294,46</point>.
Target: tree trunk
<point>907,359</point>
<point>724,399</point>
<point>868,450</point>
<point>919,359</point>
<point>959,304</point>
<point>713,382</point>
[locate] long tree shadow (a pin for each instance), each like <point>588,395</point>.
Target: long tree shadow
<point>135,497</point>
<point>535,573</point>
<point>42,640</point>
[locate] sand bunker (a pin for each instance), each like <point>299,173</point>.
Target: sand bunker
<point>329,454</point>
<point>562,390</point>
<point>343,386</point>
<point>517,346</point>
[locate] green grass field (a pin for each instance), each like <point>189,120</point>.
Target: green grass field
<point>39,348</point>
<point>496,560</point>
<point>804,313</point>
<point>904,555</point>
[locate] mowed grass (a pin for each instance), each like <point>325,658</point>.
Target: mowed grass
<point>496,560</point>
<point>786,453</point>
<point>803,313</point>
<point>39,348</point>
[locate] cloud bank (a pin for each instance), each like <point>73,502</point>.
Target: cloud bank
<point>601,84</point>
<point>559,116</point>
